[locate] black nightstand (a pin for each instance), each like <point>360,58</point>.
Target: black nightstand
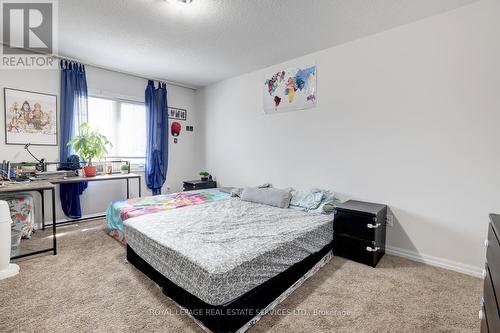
<point>191,185</point>
<point>359,231</point>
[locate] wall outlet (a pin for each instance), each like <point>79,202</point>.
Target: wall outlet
<point>389,220</point>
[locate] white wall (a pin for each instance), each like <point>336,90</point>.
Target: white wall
<point>185,158</point>
<point>407,117</point>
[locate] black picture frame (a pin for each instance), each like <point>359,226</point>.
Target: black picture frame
<point>6,119</point>
<point>177,113</point>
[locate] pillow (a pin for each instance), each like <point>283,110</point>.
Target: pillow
<point>267,196</point>
<point>328,207</point>
<point>309,199</point>
<point>236,191</point>
<point>226,189</point>
<point>328,203</point>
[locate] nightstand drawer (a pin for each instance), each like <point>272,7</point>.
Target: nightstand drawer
<point>359,225</point>
<point>363,251</point>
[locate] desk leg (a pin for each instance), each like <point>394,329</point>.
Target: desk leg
<point>42,192</point>
<point>54,241</point>
<point>128,189</point>
<point>139,183</point>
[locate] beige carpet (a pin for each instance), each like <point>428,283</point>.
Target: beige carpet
<point>89,286</point>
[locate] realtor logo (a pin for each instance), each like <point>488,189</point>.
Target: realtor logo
<point>28,34</point>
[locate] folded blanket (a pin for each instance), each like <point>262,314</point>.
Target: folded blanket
<point>314,200</point>
<point>308,199</point>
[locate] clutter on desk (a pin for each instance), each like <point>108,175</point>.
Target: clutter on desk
<point>31,171</point>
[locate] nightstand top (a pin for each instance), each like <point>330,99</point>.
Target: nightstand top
<point>194,182</point>
<point>361,206</point>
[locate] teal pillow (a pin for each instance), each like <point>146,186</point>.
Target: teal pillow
<point>328,203</point>
<point>308,199</point>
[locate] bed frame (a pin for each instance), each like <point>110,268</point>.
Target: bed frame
<point>243,312</point>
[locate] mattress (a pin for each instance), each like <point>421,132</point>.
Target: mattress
<point>221,250</point>
<point>119,211</point>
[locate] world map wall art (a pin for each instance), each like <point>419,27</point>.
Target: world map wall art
<point>289,90</point>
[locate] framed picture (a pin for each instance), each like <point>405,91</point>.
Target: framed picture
<point>30,117</point>
<point>290,89</point>
<point>177,113</point>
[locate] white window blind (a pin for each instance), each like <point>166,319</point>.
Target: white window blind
<point>123,123</point>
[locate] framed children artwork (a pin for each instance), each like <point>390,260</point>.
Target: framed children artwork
<point>30,117</point>
<point>177,113</point>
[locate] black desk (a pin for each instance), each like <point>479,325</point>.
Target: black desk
<point>99,178</point>
<point>39,187</point>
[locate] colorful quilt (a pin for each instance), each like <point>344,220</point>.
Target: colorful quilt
<point>119,211</point>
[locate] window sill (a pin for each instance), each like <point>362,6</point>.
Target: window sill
<point>137,168</point>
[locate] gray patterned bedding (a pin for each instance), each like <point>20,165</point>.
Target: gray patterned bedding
<point>221,250</point>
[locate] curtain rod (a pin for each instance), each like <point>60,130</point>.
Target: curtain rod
<point>173,83</point>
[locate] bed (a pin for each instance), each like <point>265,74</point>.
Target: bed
<point>229,262</point>
<point>119,211</point>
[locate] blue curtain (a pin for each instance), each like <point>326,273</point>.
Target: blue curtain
<point>157,140</point>
<point>74,100</point>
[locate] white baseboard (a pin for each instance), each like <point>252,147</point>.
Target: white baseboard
<point>435,261</point>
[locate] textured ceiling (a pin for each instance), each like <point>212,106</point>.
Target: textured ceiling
<point>209,40</point>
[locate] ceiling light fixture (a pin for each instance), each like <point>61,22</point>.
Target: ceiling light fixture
<point>185,1</point>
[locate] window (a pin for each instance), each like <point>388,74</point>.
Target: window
<point>124,123</point>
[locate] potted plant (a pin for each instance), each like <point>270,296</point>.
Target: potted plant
<point>90,145</point>
<point>125,168</point>
<point>204,176</point>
